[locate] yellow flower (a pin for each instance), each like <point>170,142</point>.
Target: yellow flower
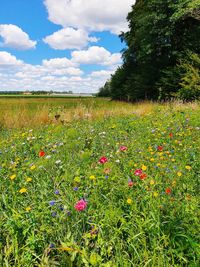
<point>155,194</point>
<point>77,179</point>
<point>92,177</point>
<point>152,159</point>
<point>179,174</point>
<point>12,177</point>
<point>144,167</point>
<point>28,179</point>
<point>188,167</point>
<point>152,182</point>
<point>33,167</point>
<point>28,209</point>
<point>129,201</point>
<point>23,190</point>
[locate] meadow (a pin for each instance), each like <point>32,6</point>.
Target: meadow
<point>103,184</point>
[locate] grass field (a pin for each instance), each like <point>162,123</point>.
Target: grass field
<point>107,184</point>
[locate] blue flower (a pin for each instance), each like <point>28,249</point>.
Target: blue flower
<point>52,202</point>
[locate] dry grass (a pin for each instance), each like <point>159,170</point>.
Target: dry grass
<point>20,113</point>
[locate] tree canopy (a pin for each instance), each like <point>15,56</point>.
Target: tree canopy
<point>161,58</point>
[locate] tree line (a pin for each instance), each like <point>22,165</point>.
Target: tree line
<point>161,59</point>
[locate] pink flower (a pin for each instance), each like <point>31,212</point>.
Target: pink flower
<point>103,160</point>
<point>138,172</point>
<point>80,205</point>
<point>130,183</point>
<point>123,148</point>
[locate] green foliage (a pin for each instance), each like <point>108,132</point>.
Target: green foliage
<point>161,32</point>
<point>105,90</point>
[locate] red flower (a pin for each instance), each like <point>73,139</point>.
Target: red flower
<point>103,160</point>
<point>123,148</point>
<point>159,148</point>
<point>168,191</point>
<point>170,135</point>
<point>143,176</point>
<point>42,154</point>
<point>80,205</point>
<point>138,172</point>
<point>130,183</point>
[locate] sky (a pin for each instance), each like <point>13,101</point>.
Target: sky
<point>60,45</point>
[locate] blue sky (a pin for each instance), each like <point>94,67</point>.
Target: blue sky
<point>60,44</point>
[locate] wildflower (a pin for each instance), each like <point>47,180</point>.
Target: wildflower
<point>155,194</point>
<point>80,205</point>
<point>75,188</point>
<point>28,209</point>
<point>12,177</point>
<point>52,202</point>
<point>143,176</point>
<point>41,154</point>
<point>28,179</point>
<point>129,201</point>
<point>92,177</point>
<point>53,214</point>
<point>168,191</point>
<point>152,182</point>
<point>138,172</point>
<point>103,160</point>
<point>32,167</point>
<point>144,167</point>
<point>23,190</point>
<point>107,171</point>
<point>58,162</point>
<point>188,167</point>
<point>159,148</point>
<point>130,183</point>
<point>52,246</point>
<point>179,174</point>
<point>57,192</point>
<point>123,148</point>
<point>170,135</point>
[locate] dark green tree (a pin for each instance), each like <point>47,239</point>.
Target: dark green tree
<point>161,32</point>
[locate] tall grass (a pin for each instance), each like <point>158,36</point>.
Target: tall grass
<point>34,112</point>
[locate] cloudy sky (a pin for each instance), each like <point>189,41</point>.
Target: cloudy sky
<point>60,45</point>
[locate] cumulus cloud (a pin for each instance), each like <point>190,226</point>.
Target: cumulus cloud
<point>96,55</point>
<point>69,38</point>
<point>15,37</point>
<point>58,74</point>
<point>6,59</point>
<point>93,15</point>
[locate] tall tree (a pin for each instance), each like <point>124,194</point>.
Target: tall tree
<point>161,33</point>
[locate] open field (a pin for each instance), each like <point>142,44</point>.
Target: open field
<point>107,184</point>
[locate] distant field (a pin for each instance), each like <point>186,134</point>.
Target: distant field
<point>18,112</point>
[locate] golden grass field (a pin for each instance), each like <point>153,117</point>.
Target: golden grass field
<point>19,112</point>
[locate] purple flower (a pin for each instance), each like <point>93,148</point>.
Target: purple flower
<point>53,214</point>
<point>52,246</point>
<point>52,202</point>
<point>75,188</point>
<point>57,192</point>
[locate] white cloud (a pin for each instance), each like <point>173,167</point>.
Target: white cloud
<point>102,74</point>
<point>14,37</point>
<point>7,59</point>
<point>69,38</point>
<point>96,55</point>
<point>58,74</point>
<point>58,63</point>
<point>93,15</point>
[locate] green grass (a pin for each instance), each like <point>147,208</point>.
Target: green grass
<point>153,221</point>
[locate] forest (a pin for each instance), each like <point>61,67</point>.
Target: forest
<point>161,58</point>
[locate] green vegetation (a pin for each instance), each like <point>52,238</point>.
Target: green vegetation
<point>136,174</point>
<point>162,57</point>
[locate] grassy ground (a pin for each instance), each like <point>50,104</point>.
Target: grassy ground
<point>136,167</point>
